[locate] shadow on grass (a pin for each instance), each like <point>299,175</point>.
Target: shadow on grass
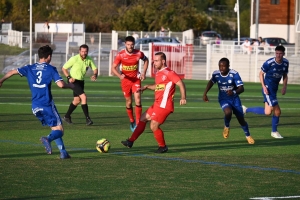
<point>173,148</point>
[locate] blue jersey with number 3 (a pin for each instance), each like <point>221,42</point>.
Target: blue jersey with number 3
<point>39,77</point>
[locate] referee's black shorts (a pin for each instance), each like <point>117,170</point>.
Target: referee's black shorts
<point>78,88</point>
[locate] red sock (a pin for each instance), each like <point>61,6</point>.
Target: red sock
<point>159,136</point>
<point>138,113</point>
<point>130,114</point>
<point>138,131</point>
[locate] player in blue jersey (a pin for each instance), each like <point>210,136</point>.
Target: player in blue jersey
<point>272,71</point>
<point>230,86</point>
<point>39,76</point>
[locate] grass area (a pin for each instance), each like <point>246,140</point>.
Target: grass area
<point>200,163</point>
<point>10,50</point>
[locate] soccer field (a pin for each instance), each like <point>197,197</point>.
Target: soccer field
<point>200,163</point>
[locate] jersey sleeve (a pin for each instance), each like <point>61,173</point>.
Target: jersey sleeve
<point>92,64</point>
<point>55,75</point>
<point>23,70</point>
<point>69,63</point>
<point>265,67</point>
<point>143,57</point>
<point>173,77</point>
<point>117,60</point>
<point>238,80</point>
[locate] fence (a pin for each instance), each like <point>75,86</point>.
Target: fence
<point>203,60</point>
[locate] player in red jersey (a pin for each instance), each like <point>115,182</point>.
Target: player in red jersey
<point>131,78</point>
<point>164,87</point>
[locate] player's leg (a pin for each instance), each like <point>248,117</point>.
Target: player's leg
<point>126,86</point>
<point>226,107</point>
<point>137,99</point>
<point>158,117</point>
<point>271,105</point>
<point>275,122</point>
<point>138,130</point>
<point>50,117</point>
<point>238,112</point>
<point>267,110</point>
<point>83,99</point>
<point>73,105</point>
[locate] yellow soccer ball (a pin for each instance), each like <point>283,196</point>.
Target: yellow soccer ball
<point>103,145</point>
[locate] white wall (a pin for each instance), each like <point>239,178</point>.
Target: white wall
<point>273,30</point>
<point>60,27</point>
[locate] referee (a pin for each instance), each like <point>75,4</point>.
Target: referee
<point>75,70</point>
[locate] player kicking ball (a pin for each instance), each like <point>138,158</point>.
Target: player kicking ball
<point>230,86</point>
<point>164,87</point>
<point>40,76</point>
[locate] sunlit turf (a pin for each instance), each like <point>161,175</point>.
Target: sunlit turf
<point>200,163</point>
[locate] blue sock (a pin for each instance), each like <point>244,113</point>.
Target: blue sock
<point>256,110</point>
<point>60,144</point>
<point>54,134</point>
<point>227,122</point>
<point>246,130</point>
<point>275,121</point>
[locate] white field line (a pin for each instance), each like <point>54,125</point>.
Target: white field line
<point>271,198</point>
<point>121,106</point>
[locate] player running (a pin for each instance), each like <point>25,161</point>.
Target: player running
<point>131,78</point>
<point>270,75</point>
<point>230,86</point>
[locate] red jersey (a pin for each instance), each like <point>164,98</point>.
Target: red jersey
<point>130,62</point>
<point>165,80</point>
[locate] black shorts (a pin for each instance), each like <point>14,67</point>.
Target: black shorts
<point>78,88</point>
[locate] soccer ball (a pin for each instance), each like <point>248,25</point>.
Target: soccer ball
<point>103,145</point>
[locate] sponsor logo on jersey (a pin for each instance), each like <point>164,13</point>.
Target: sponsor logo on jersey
<point>129,68</point>
<point>160,87</point>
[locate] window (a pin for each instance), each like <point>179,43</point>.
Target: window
<point>275,2</point>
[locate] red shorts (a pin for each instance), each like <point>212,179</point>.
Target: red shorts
<point>130,86</point>
<point>158,114</point>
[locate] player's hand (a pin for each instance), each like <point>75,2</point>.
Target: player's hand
<point>143,77</point>
<point>71,80</point>
<point>182,101</point>
<point>229,92</point>
<point>94,77</point>
<point>283,90</point>
<point>122,76</point>
<point>141,90</point>
<point>205,98</point>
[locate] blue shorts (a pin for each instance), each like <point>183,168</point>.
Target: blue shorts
<point>270,98</point>
<point>234,104</point>
<point>48,115</point>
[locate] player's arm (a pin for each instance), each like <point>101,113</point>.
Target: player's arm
<point>240,89</point>
<point>95,75</point>
<point>285,81</point>
<point>208,87</point>
<point>182,88</point>
<point>8,75</point>
<point>147,87</point>
<point>95,70</point>
<point>63,84</point>
<point>115,71</point>
<point>146,63</point>
<point>262,81</point>
<point>65,70</point>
